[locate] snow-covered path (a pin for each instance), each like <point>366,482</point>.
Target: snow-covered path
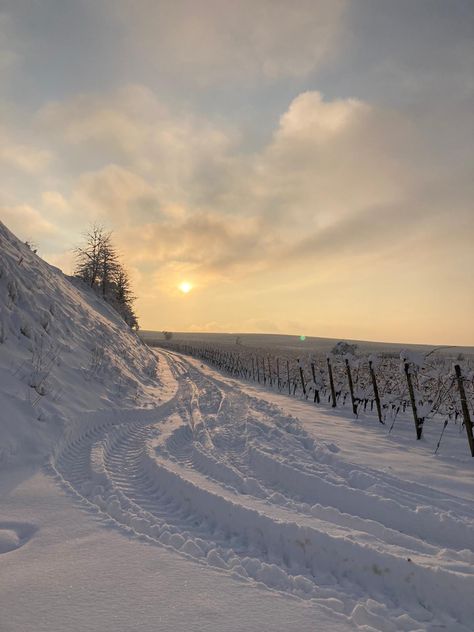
<point>228,480</point>
<point>77,574</point>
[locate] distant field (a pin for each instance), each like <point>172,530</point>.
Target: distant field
<point>310,344</point>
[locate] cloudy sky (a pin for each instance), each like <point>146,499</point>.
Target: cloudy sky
<point>306,166</point>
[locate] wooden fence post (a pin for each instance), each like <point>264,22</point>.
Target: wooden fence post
<point>411,391</point>
<point>316,391</point>
<point>331,382</point>
<point>465,408</point>
<point>376,391</point>
<point>351,386</point>
<point>303,385</point>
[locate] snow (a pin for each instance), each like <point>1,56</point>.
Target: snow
<point>146,491</point>
<point>63,350</point>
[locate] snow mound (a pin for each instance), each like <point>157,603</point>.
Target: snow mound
<point>13,535</point>
<point>9,540</point>
<point>63,350</point>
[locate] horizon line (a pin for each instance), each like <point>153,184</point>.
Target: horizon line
<point>249,333</point>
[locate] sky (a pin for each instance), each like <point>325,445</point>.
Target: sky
<point>305,167</point>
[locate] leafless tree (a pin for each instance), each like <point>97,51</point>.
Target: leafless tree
<point>97,263</point>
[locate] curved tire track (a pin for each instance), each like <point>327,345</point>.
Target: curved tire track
<point>230,481</point>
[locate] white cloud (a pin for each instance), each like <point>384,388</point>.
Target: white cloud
<point>27,222</point>
<point>310,117</point>
<point>184,155</point>
<point>24,157</point>
<point>341,185</point>
<point>53,202</point>
<point>184,200</point>
<point>116,195</point>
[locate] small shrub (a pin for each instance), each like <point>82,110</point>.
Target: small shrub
<point>12,289</point>
<point>96,361</point>
<point>45,321</point>
<point>151,368</point>
<point>42,362</point>
<point>344,348</point>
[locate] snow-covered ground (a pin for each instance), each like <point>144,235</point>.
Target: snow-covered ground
<point>63,351</point>
<point>186,500</point>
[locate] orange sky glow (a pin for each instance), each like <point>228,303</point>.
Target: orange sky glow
<point>265,167</point>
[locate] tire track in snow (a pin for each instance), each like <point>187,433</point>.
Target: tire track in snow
<point>227,479</point>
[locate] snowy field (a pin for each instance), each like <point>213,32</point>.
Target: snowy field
<point>146,491</point>
<point>299,345</point>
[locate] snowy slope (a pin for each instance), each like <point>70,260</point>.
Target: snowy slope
<point>63,350</point>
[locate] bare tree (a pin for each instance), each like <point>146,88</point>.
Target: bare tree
<point>89,256</point>
<point>97,263</point>
<point>344,348</point>
<point>109,265</point>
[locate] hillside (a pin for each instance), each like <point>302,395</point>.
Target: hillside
<point>63,351</point>
<point>310,344</point>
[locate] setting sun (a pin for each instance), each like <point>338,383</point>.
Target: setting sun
<point>185,287</point>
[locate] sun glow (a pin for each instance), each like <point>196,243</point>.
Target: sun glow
<point>185,287</point>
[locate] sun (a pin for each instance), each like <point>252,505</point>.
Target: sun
<point>185,287</point>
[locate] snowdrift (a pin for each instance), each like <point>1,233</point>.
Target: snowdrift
<point>63,351</point>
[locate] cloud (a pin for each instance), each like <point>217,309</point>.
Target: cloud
<point>226,40</point>
<point>179,161</point>
<point>367,170</point>
<point>23,157</point>
<point>27,222</point>
<point>9,57</point>
<point>341,185</point>
<point>186,156</point>
<point>200,247</point>
<point>329,159</point>
<point>55,203</point>
<point>106,124</point>
<point>311,118</point>
<point>65,261</point>
<point>116,194</point>
<point>337,177</point>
